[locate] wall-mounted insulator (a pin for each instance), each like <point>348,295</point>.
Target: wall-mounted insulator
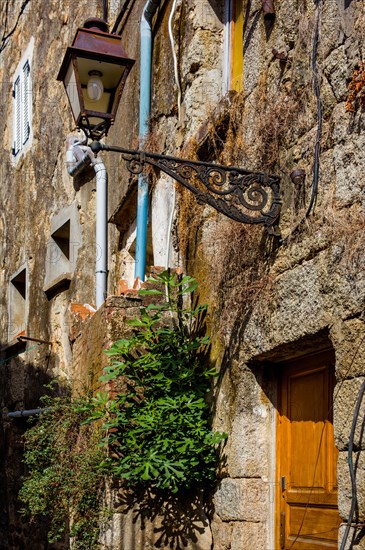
<point>282,56</point>
<point>268,9</point>
<point>298,176</point>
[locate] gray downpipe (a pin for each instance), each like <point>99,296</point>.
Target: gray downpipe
<point>29,412</point>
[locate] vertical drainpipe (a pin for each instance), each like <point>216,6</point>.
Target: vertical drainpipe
<point>101,267</point>
<point>77,158</point>
<point>144,115</point>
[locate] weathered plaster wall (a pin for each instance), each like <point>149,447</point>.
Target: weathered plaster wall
<point>33,191</point>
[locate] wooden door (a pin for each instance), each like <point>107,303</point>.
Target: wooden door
<point>307,514</point>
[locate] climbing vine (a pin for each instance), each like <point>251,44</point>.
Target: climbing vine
<point>356,97</point>
<point>64,483</point>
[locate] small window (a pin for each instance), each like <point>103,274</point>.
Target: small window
<point>26,103</point>
<point>22,102</point>
<point>62,250</point>
<point>61,239</point>
<point>18,297</point>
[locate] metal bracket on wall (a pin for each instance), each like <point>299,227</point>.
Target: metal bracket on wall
<point>243,196</point>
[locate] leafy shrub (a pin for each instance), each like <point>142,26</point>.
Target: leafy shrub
<point>156,424</point>
<point>152,428</point>
<point>64,479</point>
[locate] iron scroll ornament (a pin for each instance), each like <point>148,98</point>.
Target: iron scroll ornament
<point>243,196</point>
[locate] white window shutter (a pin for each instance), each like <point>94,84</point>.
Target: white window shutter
<point>22,112</point>
<point>17,116</point>
<point>26,103</point>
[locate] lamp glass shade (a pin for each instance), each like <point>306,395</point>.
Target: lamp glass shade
<point>96,59</point>
<point>71,90</point>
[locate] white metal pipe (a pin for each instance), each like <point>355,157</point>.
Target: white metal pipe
<point>101,230</point>
<point>174,56</point>
<point>77,158</point>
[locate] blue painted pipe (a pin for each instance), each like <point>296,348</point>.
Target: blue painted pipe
<point>144,115</point>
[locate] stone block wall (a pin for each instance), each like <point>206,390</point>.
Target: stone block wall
<point>97,333</point>
<point>275,299</point>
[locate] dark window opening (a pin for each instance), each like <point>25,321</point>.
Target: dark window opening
<point>17,305</point>
<point>62,239</point>
<point>19,282</point>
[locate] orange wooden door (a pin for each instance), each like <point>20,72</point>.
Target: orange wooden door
<point>307,514</point>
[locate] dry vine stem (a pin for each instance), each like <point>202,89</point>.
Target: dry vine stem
<point>356,97</point>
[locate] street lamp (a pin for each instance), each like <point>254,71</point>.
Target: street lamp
<point>94,71</point>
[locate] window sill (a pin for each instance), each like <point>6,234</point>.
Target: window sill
<point>58,285</point>
<point>13,348</point>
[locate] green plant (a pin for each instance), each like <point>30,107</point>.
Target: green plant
<point>151,428</point>
<point>64,482</point>
<point>156,416</point>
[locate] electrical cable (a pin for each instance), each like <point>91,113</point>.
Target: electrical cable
<point>179,94</point>
<point>105,10</point>
<point>120,16</point>
<point>5,37</point>
<point>176,68</point>
<point>177,82</point>
<point>315,180</point>
<point>319,113</point>
<point>351,465</point>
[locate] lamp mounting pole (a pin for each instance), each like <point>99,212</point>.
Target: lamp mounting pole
<point>242,195</point>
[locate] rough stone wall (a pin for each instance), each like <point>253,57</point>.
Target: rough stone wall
<point>270,299</point>
<point>89,340</point>
<point>34,189</point>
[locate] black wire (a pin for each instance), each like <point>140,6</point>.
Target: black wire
<point>121,13</point>
<point>105,10</point>
<point>351,465</point>
<point>319,115</point>
<point>319,126</point>
<point>5,37</point>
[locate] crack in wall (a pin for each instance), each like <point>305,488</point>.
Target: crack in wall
<point>6,36</point>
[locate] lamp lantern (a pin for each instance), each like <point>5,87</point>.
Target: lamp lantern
<point>94,71</point>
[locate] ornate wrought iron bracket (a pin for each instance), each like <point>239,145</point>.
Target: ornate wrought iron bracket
<point>243,196</point>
